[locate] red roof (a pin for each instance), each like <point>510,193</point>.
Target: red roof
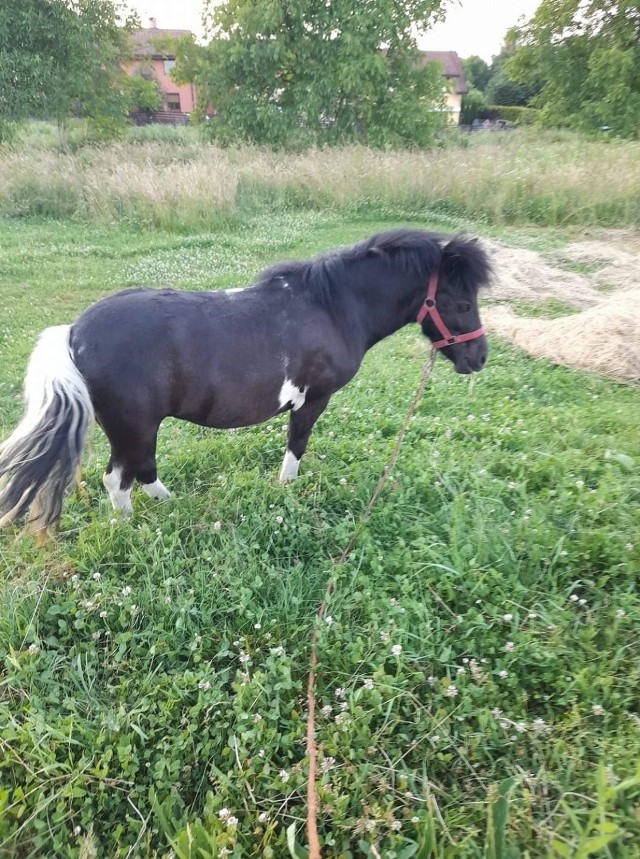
<point>145,41</point>
<point>451,67</point>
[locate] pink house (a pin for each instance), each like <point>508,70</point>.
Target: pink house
<point>153,58</point>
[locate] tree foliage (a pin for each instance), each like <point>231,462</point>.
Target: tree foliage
<point>58,57</point>
<point>300,71</point>
<point>473,103</point>
<point>477,72</point>
<point>587,52</point>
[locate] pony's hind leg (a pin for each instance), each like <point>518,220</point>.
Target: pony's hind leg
<point>133,457</point>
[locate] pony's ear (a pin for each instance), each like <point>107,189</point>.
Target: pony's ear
<point>466,264</point>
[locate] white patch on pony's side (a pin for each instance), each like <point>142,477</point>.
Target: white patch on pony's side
<point>290,393</point>
<point>290,466</point>
<point>120,498</point>
<point>157,489</point>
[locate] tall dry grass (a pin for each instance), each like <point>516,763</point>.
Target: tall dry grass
<point>520,177</point>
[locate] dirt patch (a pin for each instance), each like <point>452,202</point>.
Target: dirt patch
<point>604,337</point>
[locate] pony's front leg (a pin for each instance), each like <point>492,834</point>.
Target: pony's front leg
<point>301,423</point>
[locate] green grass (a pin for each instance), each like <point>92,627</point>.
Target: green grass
<point>478,684</point>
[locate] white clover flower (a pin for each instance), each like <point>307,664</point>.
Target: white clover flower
<point>507,618</point>
<point>327,710</point>
<point>205,685</point>
<point>539,726</point>
<point>244,658</point>
<point>509,646</point>
<point>217,526</point>
<point>368,683</point>
<point>520,727</point>
<point>277,651</point>
<point>327,764</point>
<point>451,691</point>
<point>224,814</point>
<point>77,830</point>
<point>503,674</point>
<point>232,821</point>
<point>126,591</point>
<point>263,817</point>
<point>620,613</point>
<point>497,712</point>
<point>574,597</point>
<point>461,670</point>
<point>476,671</point>
<point>396,825</point>
<point>384,637</point>
<point>579,483</point>
<point>431,680</point>
<point>597,710</point>
<point>329,620</point>
<point>279,520</point>
<point>340,693</point>
<point>257,718</point>
<point>96,577</point>
<point>396,650</point>
<point>343,481</point>
<point>284,776</point>
<point>34,650</point>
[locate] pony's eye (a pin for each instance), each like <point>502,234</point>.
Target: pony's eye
<point>464,307</point>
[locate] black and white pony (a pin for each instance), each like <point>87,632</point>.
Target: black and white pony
<point>229,359</point>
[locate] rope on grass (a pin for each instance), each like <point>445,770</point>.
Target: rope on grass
<point>312,796</point>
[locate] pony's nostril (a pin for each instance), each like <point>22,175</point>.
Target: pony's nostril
<point>483,360</point>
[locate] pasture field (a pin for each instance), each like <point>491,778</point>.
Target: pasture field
<point>479,669</point>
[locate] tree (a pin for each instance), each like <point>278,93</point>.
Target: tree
<point>504,91</point>
<point>473,103</point>
<point>477,73</point>
<point>61,56</point>
<point>287,73</point>
<point>587,52</point>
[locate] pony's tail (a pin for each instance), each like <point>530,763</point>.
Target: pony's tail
<point>39,459</point>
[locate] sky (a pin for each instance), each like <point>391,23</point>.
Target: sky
<point>472,26</point>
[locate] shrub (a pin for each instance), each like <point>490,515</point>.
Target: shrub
<point>517,115</point>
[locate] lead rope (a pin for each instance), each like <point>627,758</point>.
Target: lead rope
<point>312,796</point>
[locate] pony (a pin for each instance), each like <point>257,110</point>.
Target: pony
<point>229,358</point>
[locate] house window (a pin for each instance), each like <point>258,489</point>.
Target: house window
<point>173,101</point>
<point>168,65</point>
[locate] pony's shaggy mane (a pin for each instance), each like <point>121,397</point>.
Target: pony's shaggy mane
<point>462,260</point>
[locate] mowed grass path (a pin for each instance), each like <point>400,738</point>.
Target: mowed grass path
<point>479,670</point>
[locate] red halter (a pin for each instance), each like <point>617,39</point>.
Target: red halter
<point>429,308</point>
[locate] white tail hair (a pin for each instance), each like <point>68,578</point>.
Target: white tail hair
<point>40,457</point>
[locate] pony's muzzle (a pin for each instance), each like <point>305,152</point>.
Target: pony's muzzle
<point>468,357</point>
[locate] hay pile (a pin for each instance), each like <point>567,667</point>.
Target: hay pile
<point>603,338</point>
